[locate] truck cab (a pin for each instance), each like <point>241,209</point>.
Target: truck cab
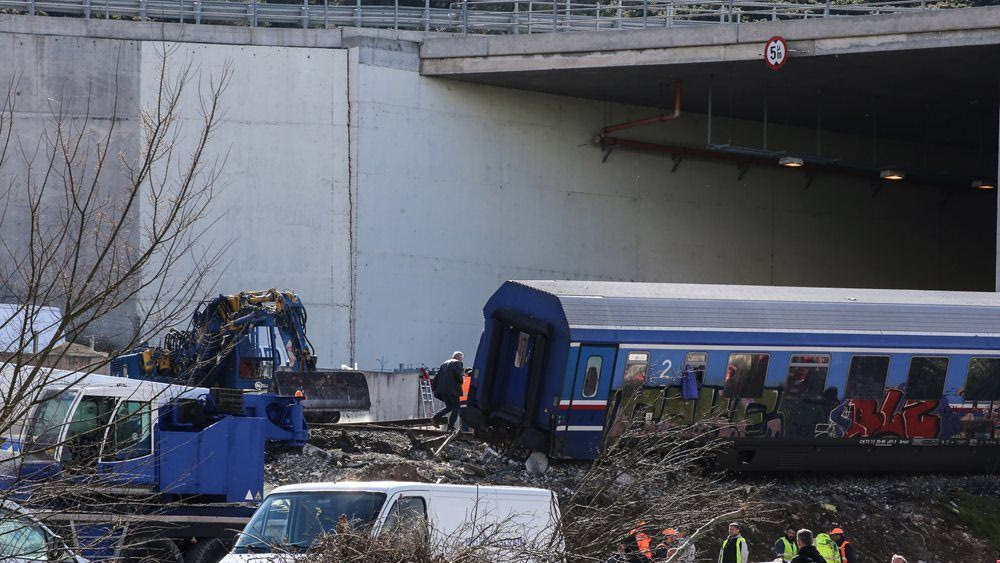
<point>192,457</point>
<point>101,424</point>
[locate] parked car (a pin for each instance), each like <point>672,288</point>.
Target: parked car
<point>446,516</point>
<point>23,538</point>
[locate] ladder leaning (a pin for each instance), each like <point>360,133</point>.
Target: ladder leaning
<point>426,395</point>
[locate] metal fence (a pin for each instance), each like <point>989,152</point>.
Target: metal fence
<point>464,16</point>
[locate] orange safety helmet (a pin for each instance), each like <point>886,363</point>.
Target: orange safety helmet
<point>837,531</point>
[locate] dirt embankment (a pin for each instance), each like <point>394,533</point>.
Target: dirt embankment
<point>928,518</point>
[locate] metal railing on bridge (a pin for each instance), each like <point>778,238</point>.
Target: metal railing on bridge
<point>463,16</point>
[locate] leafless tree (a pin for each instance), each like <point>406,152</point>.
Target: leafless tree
<point>98,221</point>
<point>651,478</point>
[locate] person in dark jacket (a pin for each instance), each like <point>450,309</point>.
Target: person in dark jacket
<point>807,551</point>
<point>448,388</point>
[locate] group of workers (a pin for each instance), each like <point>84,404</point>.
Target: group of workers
<point>645,546</point>
<point>796,546</point>
<point>801,546</point>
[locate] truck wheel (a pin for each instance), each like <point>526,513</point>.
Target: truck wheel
<point>151,550</point>
<point>209,550</point>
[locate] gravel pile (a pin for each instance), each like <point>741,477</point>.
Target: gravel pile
<point>365,455</point>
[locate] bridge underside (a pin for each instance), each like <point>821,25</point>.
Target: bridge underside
<point>915,77</point>
<point>945,96</point>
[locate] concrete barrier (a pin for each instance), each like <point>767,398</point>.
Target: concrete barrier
<point>395,396</point>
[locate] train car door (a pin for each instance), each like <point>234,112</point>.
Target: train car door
<point>582,421</point>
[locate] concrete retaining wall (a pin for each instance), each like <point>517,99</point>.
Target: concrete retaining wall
<point>281,209</point>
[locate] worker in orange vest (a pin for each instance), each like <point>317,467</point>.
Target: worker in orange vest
<point>847,554</point>
<point>642,540</point>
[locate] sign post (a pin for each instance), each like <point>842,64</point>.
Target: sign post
<point>775,52</point>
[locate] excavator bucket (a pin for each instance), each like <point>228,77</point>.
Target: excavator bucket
<point>327,392</point>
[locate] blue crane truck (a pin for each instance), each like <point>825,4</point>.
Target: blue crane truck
<point>163,460</point>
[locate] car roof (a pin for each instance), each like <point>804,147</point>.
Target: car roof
<point>113,386</point>
<point>389,487</point>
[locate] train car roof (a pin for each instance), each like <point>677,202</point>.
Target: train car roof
<point>590,305</point>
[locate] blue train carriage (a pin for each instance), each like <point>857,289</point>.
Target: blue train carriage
<point>808,378</point>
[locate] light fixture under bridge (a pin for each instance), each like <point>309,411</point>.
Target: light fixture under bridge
<point>892,174</point>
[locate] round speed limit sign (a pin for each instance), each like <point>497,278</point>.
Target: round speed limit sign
<point>775,52</point>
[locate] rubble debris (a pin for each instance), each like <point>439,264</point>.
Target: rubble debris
<point>537,463</point>
<point>313,451</point>
<point>473,469</point>
<point>376,454</point>
<point>444,444</point>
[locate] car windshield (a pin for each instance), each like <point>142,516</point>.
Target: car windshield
<point>293,520</point>
<point>21,539</point>
<point>46,424</point>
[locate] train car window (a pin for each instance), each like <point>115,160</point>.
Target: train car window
<point>925,382</point>
<point>522,352</point>
<point>983,382</point>
<point>698,361</point>
<point>592,376</point>
<point>636,367</point>
<point>745,376</point>
<point>807,376</point>
<point>866,378</point>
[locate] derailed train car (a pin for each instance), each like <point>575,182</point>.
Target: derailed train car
<point>809,378</point>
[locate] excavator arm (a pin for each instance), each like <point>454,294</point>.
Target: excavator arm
<point>284,311</point>
<point>249,340</point>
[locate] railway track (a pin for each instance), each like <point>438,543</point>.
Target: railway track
<point>413,425</point>
<point>402,423</point>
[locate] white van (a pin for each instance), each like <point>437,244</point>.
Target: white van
<point>449,516</point>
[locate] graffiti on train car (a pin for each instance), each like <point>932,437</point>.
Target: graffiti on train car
<point>893,416</point>
<point>799,409</point>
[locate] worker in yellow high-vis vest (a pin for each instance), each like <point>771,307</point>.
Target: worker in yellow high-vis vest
<point>734,548</point>
<point>828,548</point>
<point>785,547</point>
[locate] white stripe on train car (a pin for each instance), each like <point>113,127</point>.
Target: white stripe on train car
<point>811,349</point>
<point>572,428</point>
<point>574,344</point>
<point>583,402</point>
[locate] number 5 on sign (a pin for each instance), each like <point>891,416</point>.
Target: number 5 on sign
<point>775,52</point>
